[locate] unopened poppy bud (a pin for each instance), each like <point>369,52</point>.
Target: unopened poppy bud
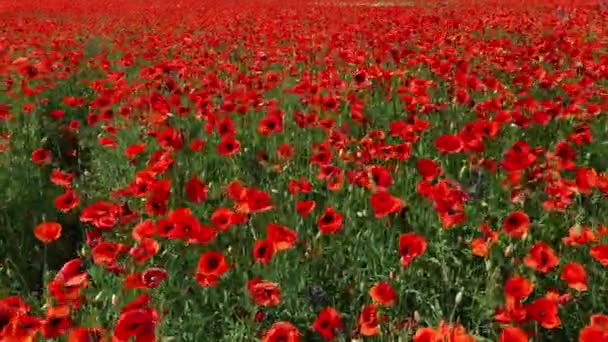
<point>459,295</point>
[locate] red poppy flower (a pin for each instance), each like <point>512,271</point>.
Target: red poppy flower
<point>102,215</point>
<point>211,266</point>
<point>144,229</point>
<point>22,328</point>
<point>196,190</point>
<point>384,203</point>
<point>578,236</point>
<point>518,287</point>
<point>328,323</point>
<point>145,250</point>
<point>67,201</point>
<point>57,322</point>
<point>428,169</point>
<point>282,237</point>
<point>228,146</point>
<point>132,151</point>
<point>47,232</point>
<point>221,219</point>
<point>544,311</point>
<point>381,176</point>
<point>368,321</point>
<point>599,320</point>
<point>411,246</point>
<point>383,294</point>
<point>518,157</point>
<point>330,221</point>
<point>68,282</point>
<point>197,145</point>
<point>575,275</point>
<point>106,253</point>
<point>185,225</point>
<point>600,253</point>
<point>264,293</point>
<point>593,333</point>
<point>516,225</point>
<point>138,323</point>
<point>285,151</point>
<point>203,235</point>
<point>269,125</point>
<point>263,251</point>
<point>426,335</point>
<point>542,258</point>
<point>305,207</point>
<point>256,202</point>
<point>513,334</point>
<point>41,156</point>
<point>282,332</point>
<point>449,143</point>
<point>63,179</point>
<point>86,335</point>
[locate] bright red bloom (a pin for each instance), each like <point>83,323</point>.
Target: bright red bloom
<point>282,332</point>
<point>138,323</point>
<point>282,237</point>
<point>86,335</point>
<point>383,294</point>
<point>63,179</point>
<point>102,215</point>
<point>264,293</point>
<point>328,323</point>
<point>57,322</point>
<point>544,311</point>
<point>222,219</point>
<point>330,221</point>
<point>211,266</point>
<point>518,157</point>
<point>513,334</point>
<point>263,251</point>
<point>411,246</point>
<point>600,253</point>
<point>575,275</point>
<point>368,321</point>
<point>305,207</point>
<point>41,156</point>
<point>428,169</point>
<point>518,288</point>
<point>67,201</point>
<point>517,224</point>
<point>47,232</point>
<point>67,284</point>
<point>542,258</point>
<point>384,203</point>
<point>449,143</point>
<point>228,146</point>
<point>196,190</point>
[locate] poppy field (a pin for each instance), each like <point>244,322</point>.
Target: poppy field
<point>304,171</point>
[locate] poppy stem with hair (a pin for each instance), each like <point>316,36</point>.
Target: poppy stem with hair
<point>44,265</point>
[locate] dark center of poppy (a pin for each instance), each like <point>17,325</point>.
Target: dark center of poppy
<point>544,258</point>
<point>262,250</point>
<point>513,221</point>
<point>327,218</point>
<point>213,263</point>
<point>4,320</point>
<point>55,321</point>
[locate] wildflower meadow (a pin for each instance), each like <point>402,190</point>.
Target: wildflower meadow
<point>284,171</point>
